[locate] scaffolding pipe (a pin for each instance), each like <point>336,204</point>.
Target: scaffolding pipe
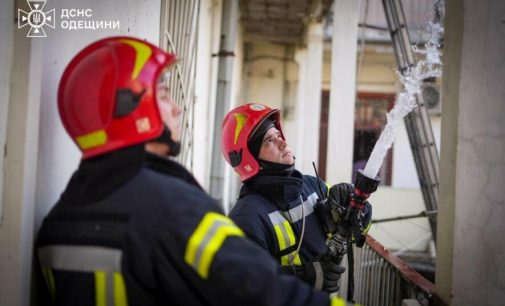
<point>223,95</point>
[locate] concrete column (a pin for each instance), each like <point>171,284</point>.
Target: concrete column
<point>309,100</point>
<point>470,244</point>
<point>343,91</point>
<point>17,227</point>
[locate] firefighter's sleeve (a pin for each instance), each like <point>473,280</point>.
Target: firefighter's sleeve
<point>223,267</point>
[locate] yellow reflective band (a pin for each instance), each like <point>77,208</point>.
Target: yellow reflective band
<point>206,241</point>
<point>286,259</point>
<point>280,236</point>
<point>365,231</point>
<point>197,237</point>
<point>335,301</point>
<point>92,140</point>
<point>297,261</point>
<point>119,290</point>
<point>142,54</point>
<point>100,295</point>
<point>48,276</point>
<point>327,190</point>
<point>289,231</point>
<point>214,245</point>
<point>240,118</point>
<point>286,238</point>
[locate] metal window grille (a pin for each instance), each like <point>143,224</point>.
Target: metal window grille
<point>382,279</point>
<point>179,32</point>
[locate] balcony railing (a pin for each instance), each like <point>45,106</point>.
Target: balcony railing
<point>381,278</point>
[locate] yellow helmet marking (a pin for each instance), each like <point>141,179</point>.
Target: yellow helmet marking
<point>91,140</point>
<point>240,118</point>
<point>142,54</point>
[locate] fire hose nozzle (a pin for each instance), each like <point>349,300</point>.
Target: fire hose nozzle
<point>363,187</point>
<point>365,184</point>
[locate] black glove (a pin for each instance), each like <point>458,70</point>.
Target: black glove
<point>366,219</point>
<point>321,273</point>
<point>340,194</point>
<point>324,274</point>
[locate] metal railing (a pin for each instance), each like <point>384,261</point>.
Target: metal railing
<point>381,278</point>
<point>179,29</point>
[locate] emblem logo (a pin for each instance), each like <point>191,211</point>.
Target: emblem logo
<point>36,18</point>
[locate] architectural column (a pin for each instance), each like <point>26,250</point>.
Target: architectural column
<point>470,245</point>
<point>223,97</point>
<point>309,100</point>
<point>20,163</point>
<point>343,91</point>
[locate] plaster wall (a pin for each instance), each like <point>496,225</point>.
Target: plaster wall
<point>470,266</point>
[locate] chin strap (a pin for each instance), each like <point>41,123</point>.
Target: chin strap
<point>166,138</point>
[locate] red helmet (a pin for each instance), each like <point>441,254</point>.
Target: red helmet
<point>238,126</point>
<point>107,96</point>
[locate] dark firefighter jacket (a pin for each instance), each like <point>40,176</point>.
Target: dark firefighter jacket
<point>150,237</point>
<point>269,210</point>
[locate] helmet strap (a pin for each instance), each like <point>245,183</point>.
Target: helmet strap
<point>166,138</point>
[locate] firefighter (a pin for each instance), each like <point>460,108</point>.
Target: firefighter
<point>276,204</point>
<point>137,230</point>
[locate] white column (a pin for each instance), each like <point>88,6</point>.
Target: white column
<point>209,30</point>
<point>470,267</point>
<point>16,223</point>
<point>343,91</point>
<point>308,111</point>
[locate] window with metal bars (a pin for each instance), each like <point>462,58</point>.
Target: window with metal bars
<point>179,32</point>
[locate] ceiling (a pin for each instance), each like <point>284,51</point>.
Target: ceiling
<point>280,21</point>
<point>285,21</point>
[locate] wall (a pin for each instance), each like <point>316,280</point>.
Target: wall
<point>264,69</point>
<point>471,248</point>
<point>16,227</point>
<point>6,48</point>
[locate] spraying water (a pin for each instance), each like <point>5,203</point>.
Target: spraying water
<point>430,66</point>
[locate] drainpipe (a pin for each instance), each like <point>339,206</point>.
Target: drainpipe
<point>223,96</point>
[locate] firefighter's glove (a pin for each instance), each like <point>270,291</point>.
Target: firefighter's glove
<point>361,228</point>
<point>338,200</point>
<point>324,274</point>
<point>339,197</point>
<point>340,194</point>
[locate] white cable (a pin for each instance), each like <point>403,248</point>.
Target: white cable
<point>303,232</point>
